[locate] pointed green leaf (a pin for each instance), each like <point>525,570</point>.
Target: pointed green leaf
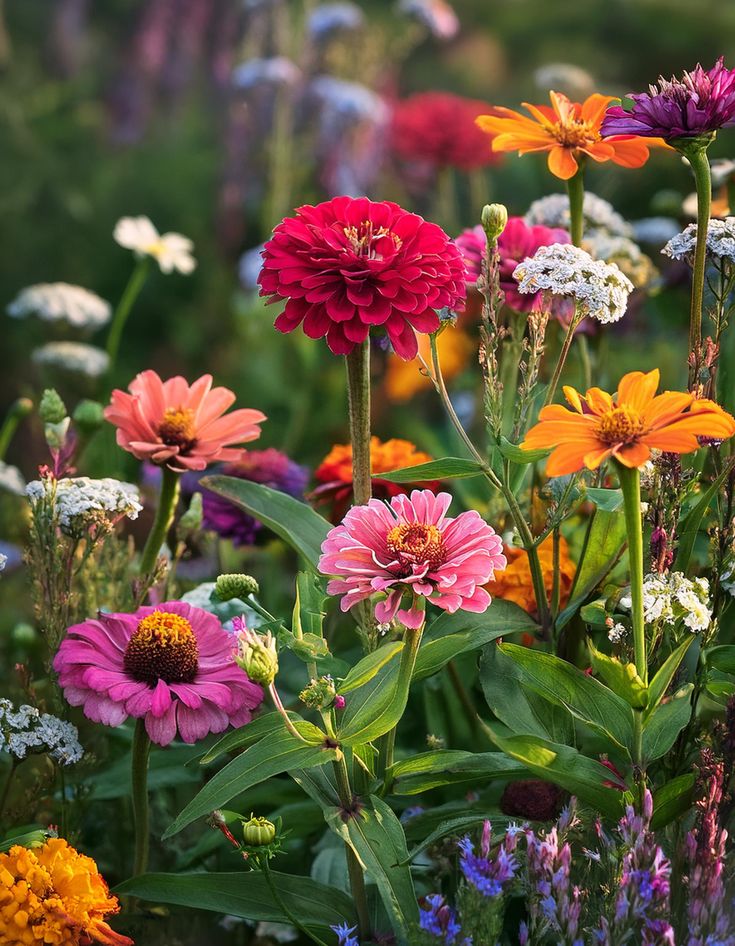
<point>665,723</point>
<point>722,658</point>
<point>665,674</point>
<point>606,499</point>
<point>375,707</point>
<point>445,469</point>
<point>421,773</point>
<point>672,800</point>
<point>622,678</point>
<point>690,523</point>
<point>365,669</point>
<point>253,732</point>
<point>516,454</point>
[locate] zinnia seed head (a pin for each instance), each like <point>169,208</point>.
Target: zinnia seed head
<point>163,647</point>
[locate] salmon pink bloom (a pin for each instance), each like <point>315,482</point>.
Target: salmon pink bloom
<point>410,550</point>
<point>171,664</point>
<point>178,425</point>
<point>352,263</point>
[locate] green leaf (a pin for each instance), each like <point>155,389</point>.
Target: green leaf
<point>584,697</point>
<point>722,658</point>
<point>294,521</point>
<point>622,678</point>
<point>309,607</point>
<point>606,499</point>
<point>34,838</point>
<point>253,732</point>
<point>672,800</point>
<point>516,454</point>
<point>690,523</point>
<point>365,669</point>
<point>445,469</point>
<point>167,768</point>
<point>459,825</point>
<point>271,756</point>
<point>665,723</point>
<point>665,674</point>
<point>375,707</point>
<point>429,770</point>
<point>246,894</point>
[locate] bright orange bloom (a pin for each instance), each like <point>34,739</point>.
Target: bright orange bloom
<point>514,582</point>
<point>54,894</point>
<point>626,427</point>
<point>403,379</point>
<point>568,131</point>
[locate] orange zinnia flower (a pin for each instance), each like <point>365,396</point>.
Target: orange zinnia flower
<point>626,427</point>
<point>514,582</point>
<point>568,131</point>
<point>404,379</point>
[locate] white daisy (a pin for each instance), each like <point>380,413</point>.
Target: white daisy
<point>170,250</point>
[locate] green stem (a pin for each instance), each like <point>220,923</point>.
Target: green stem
<point>17,411</point>
<point>354,867</point>
<point>167,500</point>
<point>358,390</point>
<point>264,866</point>
<point>139,759</point>
<point>703,181</point>
<point>120,317</point>
<point>575,189</point>
<point>566,345</point>
<point>630,483</point>
<point>411,643</point>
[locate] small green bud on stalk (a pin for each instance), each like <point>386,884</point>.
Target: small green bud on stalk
<point>494,219</point>
<point>319,693</point>
<point>51,408</point>
<point>88,416</point>
<point>258,832</point>
<point>228,587</point>
<point>257,655</point>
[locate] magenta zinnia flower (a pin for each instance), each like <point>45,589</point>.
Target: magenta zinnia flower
<point>699,103</point>
<point>171,664</point>
<point>409,548</point>
<point>352,263</point>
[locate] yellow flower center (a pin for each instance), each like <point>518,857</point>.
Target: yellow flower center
<point>364,239</point>
<point>163,647</point>
<point>574,133</point>
<point>416,544</point>
<point>620,425</point>
<point>177,427</point>
<point>155,249</point>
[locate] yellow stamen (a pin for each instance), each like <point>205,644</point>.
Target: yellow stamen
<point>620,425</point>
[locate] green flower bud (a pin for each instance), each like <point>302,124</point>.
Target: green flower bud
<point>88,416</point>
<point>55,434</point>
<point>191,521</point>
<point>258,832</point>
<point>319,693</point>
<point>51,408</point>
<point>257,655</point>
<point>494,219</point>
<point>235,586</point>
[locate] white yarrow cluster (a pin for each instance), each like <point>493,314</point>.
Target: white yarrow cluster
<point>720,241</point>
<point>75,357</point>
<point>616,633</point>
<point>26,730</point>
<point>553,211</point>
<point>671,598</point>
<point>11,479</point>
<point>599,288</point>
<point>61,302</point>
<point>170,250</point>
<point>81,501</point>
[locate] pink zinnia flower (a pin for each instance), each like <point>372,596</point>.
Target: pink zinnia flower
<point>409,547</point>
<point>352,263</point>
<point>171,664</point>
<point>178,425</point>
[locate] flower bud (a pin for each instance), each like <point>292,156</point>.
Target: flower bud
<point>51,408</point>
<point>256,654</point>
<point>319,694</point>
<point>258,832</point>
<point>55,434</point>
<point>228,587</point>
<point>88,415</point>
<point>494,219</point>
<point>191,522</point>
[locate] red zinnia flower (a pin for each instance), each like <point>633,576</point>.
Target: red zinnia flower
<point>350,263</point>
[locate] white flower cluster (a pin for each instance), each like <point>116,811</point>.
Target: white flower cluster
<point>11,479</point>
<point>599,288</point>
<point>61,302</point>
<point>170,250</point>
<point>616,633</point>
<point>75,357</point>
<point>27,730</point>
<point>674,597</point>
<point>81,501</point>
<point>720,241</point>
<point>553,211</point>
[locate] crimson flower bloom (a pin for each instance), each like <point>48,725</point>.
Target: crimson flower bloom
<point>352,263</point>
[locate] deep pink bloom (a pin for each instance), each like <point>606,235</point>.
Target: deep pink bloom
<point>517,241</point>
<point>171,664</point>
<point>178,425</point>
<point>409,547</point>
<point>352,263</point>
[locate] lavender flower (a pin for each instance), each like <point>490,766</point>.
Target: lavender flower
<point>345,936</point>
<point>555,904</point>
<point>487,875</point>
<point>439,919</point>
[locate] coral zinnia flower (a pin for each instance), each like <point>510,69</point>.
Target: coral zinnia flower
<point>438,129</point>
<point>178,425</point>
<point>170,664</point>
<point>410,548</point>
<point>514,584</point>
<point>626,427</point>
<point>699,103</point>
<point>349,264</point>
<point>54,894</point>
<point>567,130</point>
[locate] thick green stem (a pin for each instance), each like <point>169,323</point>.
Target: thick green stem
<point>164,517</point>
<point>354,867</point>
<point>358,389</point>
<point>630,483</point>
<point>575,189</point>
<point>566,345</point>
<point>139,760</point>
<point>703,181</point>
<point>120,317</point>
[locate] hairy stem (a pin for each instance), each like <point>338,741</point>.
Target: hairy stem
<point>358,389</point>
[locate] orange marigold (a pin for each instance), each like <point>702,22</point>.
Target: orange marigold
<point>626,426</point>
<point>514,583</point>
<point>569,131</point>
<point>54,895</point>
<point>403,379</point>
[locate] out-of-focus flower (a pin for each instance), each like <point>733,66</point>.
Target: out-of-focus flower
<point>599,289</point>
<point>617,632</point>
<point>170,664</point>
<point>599,214</point>
<point>655,231</point>
<point>249,267</point>
<point>81,503</point>
<point>171,251</point>
<point>624,253</point>
<point>515,584</point>
<point>568,131</point>
<point>26,730</point>
<point>178,425</point>
<point>409,547</point>
<point>61,302</point>
<point>404,379</point>
<point>436,15</point>
<point>327,19</point>
<point>699,103</point>
<point>272,71</point>
<point>11,479</point>
<point>439,919</point>
<point>349,264</point>
<point>626,427</point>
<point>72,357</point>
<point>532,798</point>
<point>56,895</point>
<point>346,935</point>
<point>573,81</point>
<point>722,171</point>
<point>720,241</point>
<point>439,129</point>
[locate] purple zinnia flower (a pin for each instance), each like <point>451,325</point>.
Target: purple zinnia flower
<point>699,103</point>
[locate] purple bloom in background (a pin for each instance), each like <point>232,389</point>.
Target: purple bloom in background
<point>555,904</point>
<point>699,103</point>
<point>439,919</point>
<point>486,874</point>
<point>330,18</point>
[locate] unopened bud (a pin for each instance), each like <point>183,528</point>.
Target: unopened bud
<point>88,416</point>
<point>55,434</point>
<point>494,219</point>
<point>256,654</point>
<point>51,408</point>
<point>191,521</point>
<point>258,832</point>
<point>228,587</point>
<point>319,694</point>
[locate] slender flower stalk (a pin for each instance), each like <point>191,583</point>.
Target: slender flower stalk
<point>124,307</point>
<point>16,412</point>
<point>139,763</point>
<point>565,349</point>
<point>699,162</point>
<point>167,501</point>
<point>358,389</point>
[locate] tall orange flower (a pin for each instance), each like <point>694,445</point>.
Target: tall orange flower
<point>568,131</point>
<point>626,426</point>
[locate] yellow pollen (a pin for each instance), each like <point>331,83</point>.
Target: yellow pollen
<point>155,249</point>
<point>620,425</point>
<point>163,647</point>
<point>413,543</point>
<point>574,133</point>
<point>177,427</point>
<point>364,238</point>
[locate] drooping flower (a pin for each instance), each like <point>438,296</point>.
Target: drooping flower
<point>61,302</point>
<point>54,894</point>
<point>568,131</point>
<point>170,664</point>
<point>404,379</point>
<point>81,503</point>
<point>349,264</point>
<point>439,129</point>
<point>626,426</point>
<point>720,242</point>
<point>72,358</point>
<point>170,250</point>
<point>699,103</point>
<point>409,548</point>
<point>598,213</point>
<point>178,425</point>
<point>515,584</point>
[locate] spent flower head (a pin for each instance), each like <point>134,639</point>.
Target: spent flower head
<point>61,302</point>
<point>257,654</point>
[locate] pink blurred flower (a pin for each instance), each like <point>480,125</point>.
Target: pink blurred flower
<point>171,664</point>
<point>409,547</point>
<point>352,263</point>
<point>178,425</point>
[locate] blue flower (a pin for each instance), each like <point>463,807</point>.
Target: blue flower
<point>344,933</point>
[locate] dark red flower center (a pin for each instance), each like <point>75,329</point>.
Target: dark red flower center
<point>177,428</point>
<point>370,243</point>
<point>413,543</point>
<point>163,647</point>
